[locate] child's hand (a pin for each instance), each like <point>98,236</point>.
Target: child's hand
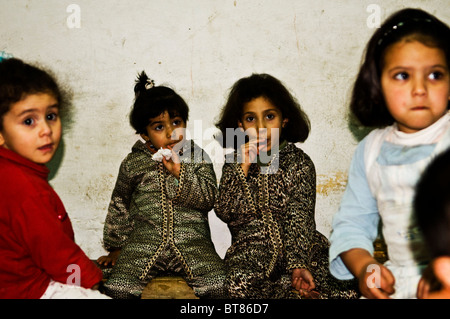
<point>303,281</point>
<point>434,282</point>
<point>249,152</point>
<point>173,165</point>
<point>111,258</point>
<point>375,280</point>
<point>368,281</point>
<point>423,288</point>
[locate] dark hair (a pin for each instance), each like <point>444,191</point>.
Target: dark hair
<point>432,205</point>
<point>367,101</point>
<point>264,85</point>
<point>151,101</point>
<point>19,79</point>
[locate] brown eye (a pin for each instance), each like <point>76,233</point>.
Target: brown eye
<point>401,76</point>
<point>436,75</point>
<point>52,116</point>
<point>28,122</point>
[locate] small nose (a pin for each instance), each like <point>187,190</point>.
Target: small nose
<point>169,131</point>
<point>419,87</point>
<point>260,124</point>
<point>45,128</point>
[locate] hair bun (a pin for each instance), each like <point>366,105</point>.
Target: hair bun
<point>143,83</point>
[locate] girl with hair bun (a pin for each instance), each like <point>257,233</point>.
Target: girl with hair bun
<point>157,221</point>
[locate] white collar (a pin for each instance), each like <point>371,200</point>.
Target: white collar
<point>428,135</point>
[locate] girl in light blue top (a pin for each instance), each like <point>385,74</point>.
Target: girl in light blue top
<point>403,90</point>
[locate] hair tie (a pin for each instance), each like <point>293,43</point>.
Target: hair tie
<point>4,55</point>
<point>401,24</point>
<point>149,83</point>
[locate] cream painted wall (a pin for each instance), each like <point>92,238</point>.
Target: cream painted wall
<point>200,48</point>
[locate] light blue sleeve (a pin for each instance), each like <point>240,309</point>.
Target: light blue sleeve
<point>355,225</point>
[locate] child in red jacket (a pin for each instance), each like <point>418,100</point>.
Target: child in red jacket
<point>38,255</point>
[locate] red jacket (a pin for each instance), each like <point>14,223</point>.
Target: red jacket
<point>36,235</point>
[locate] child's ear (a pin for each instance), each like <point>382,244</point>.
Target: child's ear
<point>145,137</point>
<point>285,121</point>
<point>441,268</point>
<point>2,140</point>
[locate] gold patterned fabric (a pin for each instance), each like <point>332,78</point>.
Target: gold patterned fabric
<point>155,219</point>
<point>271,219</point>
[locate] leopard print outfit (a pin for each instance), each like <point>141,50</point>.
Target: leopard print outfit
<point>270,215</point>
<point>160,223</point>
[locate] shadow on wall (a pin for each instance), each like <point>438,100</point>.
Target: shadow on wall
<point>67,97</point>
<point>56,161</point>
<point>358,131</point>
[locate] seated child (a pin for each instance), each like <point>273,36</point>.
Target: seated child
<point>39,258</point>
<point>157,220</point>
<point>267,197</point>
<point>432,209</point>
<point>402,90</point>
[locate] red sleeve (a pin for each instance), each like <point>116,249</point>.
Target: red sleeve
<point>46,230</point>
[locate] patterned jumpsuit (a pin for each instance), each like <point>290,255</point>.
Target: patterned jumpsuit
<point>271,219</point>
<point>161,224</point>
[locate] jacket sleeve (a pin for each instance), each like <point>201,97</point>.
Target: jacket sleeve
<point>299,225</point>
<point>355,225</point>
<point>197,185</point>
<point>46,231</point>
<point>231,193</point>
<point>118,223</point>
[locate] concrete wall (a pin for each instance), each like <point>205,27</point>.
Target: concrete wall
<point>200,48</point>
